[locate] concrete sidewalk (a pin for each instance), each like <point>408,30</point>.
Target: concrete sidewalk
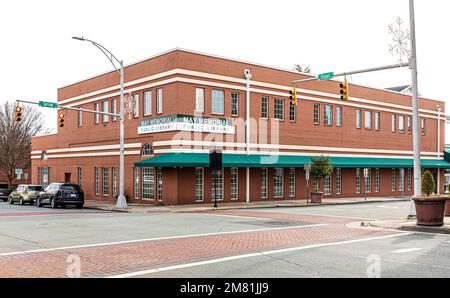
<point>145,208</point>
<point>410,225</point>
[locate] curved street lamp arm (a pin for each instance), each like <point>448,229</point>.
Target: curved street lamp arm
<point>108,54</point>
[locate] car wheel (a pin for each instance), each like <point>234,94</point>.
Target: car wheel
<point>10,200</point>
<point>21,201</point>
<point>79,206</point>
<point>38,202</point>
<point>53,203</point>
<point>63,206</point>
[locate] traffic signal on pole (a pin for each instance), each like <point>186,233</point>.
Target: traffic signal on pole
<point>18,114</point>
<point>61,119</point>
<point>293,96</point>
<point>344,90</point>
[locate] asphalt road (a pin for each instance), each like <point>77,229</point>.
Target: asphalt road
<point>276,242</point>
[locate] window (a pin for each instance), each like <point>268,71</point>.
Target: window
<point>367,119</point>
<point>218,177</point>
<point>105,181</point>
<point>401,179</point>
<point>292,183</point>
<point>105,109</point>
<point>328,115</point>
<point>136,183</point>
<point>327,185</point>
<point>136,105</point>
<point>358,180</point>
<point>317,114</point>
<point>217,102</point>
<point>265,107</point>
<point>96,115</point>
<point>199,182</point>
<point>96,183</point>
<point>401,124</point>
<point>234,183</point>
<point>338,116</point>
<point>338,181</point>
<point>159,101</point>
<point>409,180</point>
<point>159,185</point>
<point>114,181</point>
<point>147,103</point>
<point>80,178</point>
<point>423,126</point>
<point>358,118</point>
<point>147,150</point>
<point>80,118</point>
<point>377,180</point>
<point>114,109</point>
<point>148,183</point>
<point>316,185</point>
<point>409,125</point>
<point>199,100</point>
<point>377,120</point>
<point>278,178</point>
<point>234,104</point>
<point>393,180</point>
<point>394,122</point>
<point>292,112</point>
<point>368,181</point>
<point>264,183</point>
<point>279,109</point>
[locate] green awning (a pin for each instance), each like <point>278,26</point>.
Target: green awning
<point>190,160</point>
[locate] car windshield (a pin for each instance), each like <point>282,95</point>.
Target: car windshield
<point>70,187</point>
<point>3,185</point>
<point>34,188</point>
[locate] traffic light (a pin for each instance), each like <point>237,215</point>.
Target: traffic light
<point>61,119</point>
<point>293,96</point>
<point>18,114</point>
<point>344,90</point>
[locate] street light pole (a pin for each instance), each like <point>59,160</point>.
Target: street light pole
<point>121,200</point>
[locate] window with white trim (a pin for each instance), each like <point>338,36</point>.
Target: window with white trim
<point>147,150</point>
<point>394,123</point>
<point>234,104</point>
<point>147,103</point>
<point>148,183</point>
<point>96,115</point>
<point>114,181</point>
<point>218,177</point>
<point>338,181</point>
<point>409,179</point>
<point>265,107</point>
<point>80,118</point>
<point>358,118</point>
<point>96,181</point>
<point>114,109</point>
<point>401,180</point>
<point>80,177</point>
<point>368,181</point>
<point>234,175</point>
<point>368,119</point>
<point>377,180</point>
<point>199,100</point>
<point>328,115</point>
<point>159,184</point>
<point>278,178</point>
<point>217,104</point>
<point>105,109</point>
<point>159,101</point>
<point>339,116</point>
<point>264,183</point>
<point>292,183</point>
<point>393,180</point>
<point>199,184</point>
<point>409,125</point>
<point>292,112</point>
<point>377,120</point>
<point>105,181</point>
<point>401,124</point>
<point>423,124</point>
<point>358,180</point>
<point>316,114</point>
<point>327,186</point>
<point>279,109</point>
<point>136,105</point>
<point>136,183</point>
<point>316,185</point>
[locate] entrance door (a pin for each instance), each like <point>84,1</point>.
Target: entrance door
<point>67,177</point>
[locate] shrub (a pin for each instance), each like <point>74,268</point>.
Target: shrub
<point>428,184</point>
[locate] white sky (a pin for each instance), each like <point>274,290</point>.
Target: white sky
<point>38,54</point>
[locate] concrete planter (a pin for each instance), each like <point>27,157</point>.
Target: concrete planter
<point>430,211</point>
<point>447,208</point>
<point>316,197</point>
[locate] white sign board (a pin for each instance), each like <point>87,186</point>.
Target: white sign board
<point>19,172</point>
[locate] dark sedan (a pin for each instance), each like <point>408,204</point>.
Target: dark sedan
<point>61,194</point>
<point>5,191</point>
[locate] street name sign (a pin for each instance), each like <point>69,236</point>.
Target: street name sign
<point>19,171</point>
<point>325,76</point>
<point>47,104</point>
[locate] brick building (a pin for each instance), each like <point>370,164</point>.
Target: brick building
<point>187,103</point>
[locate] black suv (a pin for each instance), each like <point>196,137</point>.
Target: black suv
<point>61,194</point>
<point>5,191</point>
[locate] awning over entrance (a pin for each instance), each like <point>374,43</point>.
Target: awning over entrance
<point>282,161</point>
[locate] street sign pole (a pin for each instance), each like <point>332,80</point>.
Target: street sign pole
<point>307,168</point>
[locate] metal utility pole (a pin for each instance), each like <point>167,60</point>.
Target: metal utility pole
<point>121,200</point>
<point>439,110</point>
<point>248,77</point>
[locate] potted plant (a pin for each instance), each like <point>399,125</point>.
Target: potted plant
<point>321,168</point>
<point>429,207</point>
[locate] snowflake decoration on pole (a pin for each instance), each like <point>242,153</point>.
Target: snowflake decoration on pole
<point>129,105</point>
<point>401,41</point>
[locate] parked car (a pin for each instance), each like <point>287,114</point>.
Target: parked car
<point>25,194</point>
<point>61,194</point>
<point>5,191</point>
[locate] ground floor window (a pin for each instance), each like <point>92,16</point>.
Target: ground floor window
<point>393,180</point>
<point>199,184</point>
<point>114,182</point>
<point>338,181</point>
<point>136,183</point>
<point>409,179</point>
<point>278,178</point>
<point>368,181</point>
<point>358,180</point>
<point>80,178</point>
<point>401,179</point>
<point>234,183</point>
<point>327,185</point>
<point>292,183</point>
<point>264,183</point>
<point>105,181</point>
<point>217,176</point>
<point>96,181</point>
<point>160,183</point>
<point>377,180</point>
<point>316,185</point>
<point>148,183</point>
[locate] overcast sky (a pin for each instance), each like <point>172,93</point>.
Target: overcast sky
<point>38,54</point>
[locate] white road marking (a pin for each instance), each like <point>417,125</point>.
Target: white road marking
<point>388,207</point>
<point>405,250</point>
<point>155,239</point>
<point>234,216</point>
<point>201,263</point>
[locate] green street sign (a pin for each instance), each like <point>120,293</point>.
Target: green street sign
<point>325,76</point>
<point>46,104</point>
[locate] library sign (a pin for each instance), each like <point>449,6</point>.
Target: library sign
<point>185,123</point>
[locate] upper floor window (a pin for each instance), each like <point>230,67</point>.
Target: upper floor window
<point>394,122</point>
<point>147,150</point>
<point>358,118</point>
<point>377,120</point>
<point>317,114</point>
<point>199,100</point>
<point>114,109</point>
<point>97,115</point>
<point>401,124</point>
<point>234,104</point>
<point>159,100</point>
<point>367,119</point>
<point>147,103</point>
<point>339,116</point>
<point>409,125</point>
<point>105,108</point>
<point>292,112</point>
<point>80,118</point>
<point>424,126</point>
<point>218,102</point>
<point>279,109</point>
<point>328,115</point>
<point>265,107</point>
<point>136,105</point>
